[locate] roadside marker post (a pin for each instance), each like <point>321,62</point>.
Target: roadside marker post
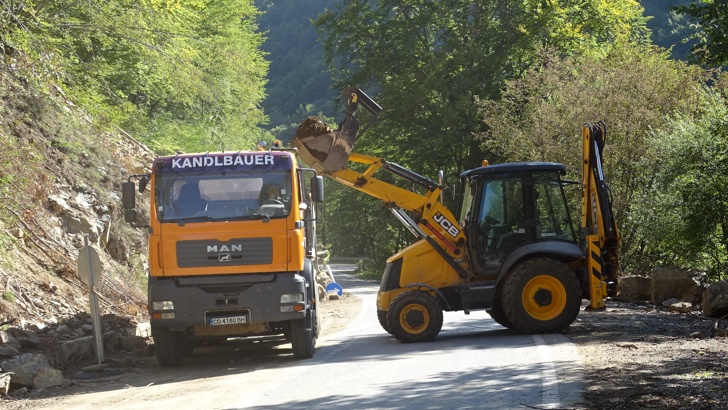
<point>89,269</point>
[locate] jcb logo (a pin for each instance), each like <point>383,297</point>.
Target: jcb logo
<point>448,226</point>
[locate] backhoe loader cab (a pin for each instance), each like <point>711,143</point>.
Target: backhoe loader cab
<point>511,211</point>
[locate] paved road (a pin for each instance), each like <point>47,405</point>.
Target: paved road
<point>473,364</point>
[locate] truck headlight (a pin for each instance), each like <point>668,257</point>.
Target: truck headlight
<point>292,298</point>
<point>163,305</point>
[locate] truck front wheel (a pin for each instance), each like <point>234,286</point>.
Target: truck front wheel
<point>169,347</point>
<point>541,296</point>
<point>414,316</point>
<point>303,338</point>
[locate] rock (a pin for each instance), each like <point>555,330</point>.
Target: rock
<point>28,340</point>
<point>632,288</point>
<point>47,377</point>
<point>8,351</point>
<point>670,302</point>
<point>26,367</point>
<point>715,299</point>
<point>6,339</point>
<point>72,351</point>
<point>679,283</point>
<point>681,307</point>
<point>5,383</point>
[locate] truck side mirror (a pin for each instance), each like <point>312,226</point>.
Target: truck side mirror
<point>317,188</point>
<point>143,181</point>
<point>128,198</point>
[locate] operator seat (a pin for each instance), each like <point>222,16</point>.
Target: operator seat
<point>189,201</point>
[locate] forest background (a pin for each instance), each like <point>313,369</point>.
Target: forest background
<point>460,81</point>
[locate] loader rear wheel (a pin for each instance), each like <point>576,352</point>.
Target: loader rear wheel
<point>541,296</point>
<point>497,314</point>
<point>382,317</point>
<point>414,316</point>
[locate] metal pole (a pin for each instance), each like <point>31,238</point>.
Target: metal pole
<point>95,317</point>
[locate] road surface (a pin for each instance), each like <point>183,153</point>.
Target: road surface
<point>473,363</point>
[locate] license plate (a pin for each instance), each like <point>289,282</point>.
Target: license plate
<point>230,320</point>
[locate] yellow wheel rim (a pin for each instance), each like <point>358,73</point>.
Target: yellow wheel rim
<point>544,297</point>
<point>414,318</point>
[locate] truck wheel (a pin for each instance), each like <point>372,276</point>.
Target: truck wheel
<point>541,296</point>
<point>382,316</point>
<point>303,340</point>
<point>497,314</point>
<point>169,347</point>
<point>414,316</point>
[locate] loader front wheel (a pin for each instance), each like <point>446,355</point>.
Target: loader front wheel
<point>414,316</point>
<point>541,296</point>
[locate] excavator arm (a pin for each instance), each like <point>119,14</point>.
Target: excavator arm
<point>598,226</point>
<point>329,153</point>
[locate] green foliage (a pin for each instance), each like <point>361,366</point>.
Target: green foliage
<point>297,76</point>
<point>9,296</point>
<point>187,73</point>
<point>670,30</point>
<point>710,19</point>
<point>684,216</point>
<point>633,89</point>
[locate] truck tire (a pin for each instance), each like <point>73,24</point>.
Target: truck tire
<point>303,339</point>
<point>541,296</point>
<point>169,347</point>
<point>414,316</point>
<point>382,316</point>
<point>497,314</point>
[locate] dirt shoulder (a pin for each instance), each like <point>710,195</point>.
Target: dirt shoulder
<point>636,356</point>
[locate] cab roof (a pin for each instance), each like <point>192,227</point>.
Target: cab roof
<point>515,167</point>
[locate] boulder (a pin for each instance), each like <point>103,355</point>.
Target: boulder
<point>681,307</point>
<point>715,300</point>
<point>26,367</point>
<point>678,283</point>
<point>47,377</point>
<point>633,288</point>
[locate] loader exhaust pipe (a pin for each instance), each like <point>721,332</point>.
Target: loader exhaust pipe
<point>327,150</point>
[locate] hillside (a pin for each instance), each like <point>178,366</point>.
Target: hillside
<point>60,180</point>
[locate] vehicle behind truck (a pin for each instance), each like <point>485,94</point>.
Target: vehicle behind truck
<point>232,249</point>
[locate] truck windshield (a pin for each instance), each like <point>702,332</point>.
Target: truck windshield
<point>219,195</point>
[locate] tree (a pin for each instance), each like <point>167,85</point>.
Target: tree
<point>184,75</point>
<point>633,89</point>
<point>426,61</point>
<point>685,213</point>
<point>711,22</point>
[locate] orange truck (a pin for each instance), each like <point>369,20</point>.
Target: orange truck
<point>232,249</point>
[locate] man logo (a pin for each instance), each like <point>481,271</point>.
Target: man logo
<point>225,257</point>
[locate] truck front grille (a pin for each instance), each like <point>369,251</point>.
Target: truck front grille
<point>214,253</point>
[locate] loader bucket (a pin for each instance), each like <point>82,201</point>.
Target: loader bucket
<point>322,148</point>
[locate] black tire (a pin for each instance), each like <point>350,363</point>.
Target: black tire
<point>382,316</point>
<point>414,316</point>
<point>541,296</point>
<point>169,347</point>
<point>303,340</point>
<point>497,314</point>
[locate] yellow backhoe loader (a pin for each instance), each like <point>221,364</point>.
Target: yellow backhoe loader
<point>511,251</point>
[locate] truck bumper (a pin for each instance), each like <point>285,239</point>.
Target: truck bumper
<point>183,302</point>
